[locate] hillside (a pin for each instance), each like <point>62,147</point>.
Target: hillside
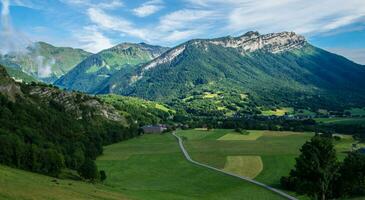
<point>143,112</point>
<point>19,75</point>
<point>44,61</point>
<point>17,184</point>
<point>246,74</point>
<point>97,68</point>
<point>45,130</point>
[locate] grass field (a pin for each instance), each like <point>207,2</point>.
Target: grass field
<point>341,120</point>
<point>152,167</point>
<point>20,185</point>
<point>277,150</point>
<point>278,112</point>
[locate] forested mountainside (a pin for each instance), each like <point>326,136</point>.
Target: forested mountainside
<point>44,61</point>
<point>97,69</point>
<point>245,74</point>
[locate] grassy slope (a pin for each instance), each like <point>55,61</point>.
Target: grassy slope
<point>19,75</point>
<point>278,153</point>
<point>21,185</point>
<point>152,167</point>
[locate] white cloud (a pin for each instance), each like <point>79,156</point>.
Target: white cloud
<point>111,23</point>
<point>302,16</point>
<point>102,4</point>
<point>212,18</point>
<point>148,8</point>
<point>91,39</point>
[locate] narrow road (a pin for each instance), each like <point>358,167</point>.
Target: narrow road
<point>187,156</point>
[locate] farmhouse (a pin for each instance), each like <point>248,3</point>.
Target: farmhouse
<point>154,128</point>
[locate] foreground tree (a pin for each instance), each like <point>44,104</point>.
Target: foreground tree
<point>352,179</point>
<point>315,171</point>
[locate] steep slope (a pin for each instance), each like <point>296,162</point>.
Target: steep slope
<point>97,69</point>
<point>242,74</point>
<point>44,61</point>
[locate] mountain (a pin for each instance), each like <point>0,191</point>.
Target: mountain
<point>44,61</point>
<point>97,68</point>
<point>245,74</point>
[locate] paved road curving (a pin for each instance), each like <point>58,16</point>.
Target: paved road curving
<point>187,156</point>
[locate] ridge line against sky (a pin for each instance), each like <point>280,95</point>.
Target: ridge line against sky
<point>94,25</point>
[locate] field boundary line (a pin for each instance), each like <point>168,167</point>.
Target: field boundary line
<point>187,156</point>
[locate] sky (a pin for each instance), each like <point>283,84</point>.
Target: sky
<point>93,25</point>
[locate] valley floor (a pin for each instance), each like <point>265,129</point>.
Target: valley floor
<point>152,167</point>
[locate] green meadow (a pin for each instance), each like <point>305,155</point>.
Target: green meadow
<point>277,151</point>
<point>21,185</point>
<point>153,167</point>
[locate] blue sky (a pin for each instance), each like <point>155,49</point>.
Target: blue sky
<point>93,25</point>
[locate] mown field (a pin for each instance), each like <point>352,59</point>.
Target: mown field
<point>153,167</point>
<point>150,167</point>
<point>276,150</point>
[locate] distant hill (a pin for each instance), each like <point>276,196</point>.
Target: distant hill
<point>44,61</point>
<point>19,75</point>
<point>245,75</point>
<point>98,68</point>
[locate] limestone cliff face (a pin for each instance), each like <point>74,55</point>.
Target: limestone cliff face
<point>273,42</point>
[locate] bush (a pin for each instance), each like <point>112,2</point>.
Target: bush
<point>102,175</point>
<point>89,170</point>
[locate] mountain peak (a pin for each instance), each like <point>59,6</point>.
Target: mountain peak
<point>272,42</point>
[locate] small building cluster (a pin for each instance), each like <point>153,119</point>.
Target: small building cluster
<point>159,128</point>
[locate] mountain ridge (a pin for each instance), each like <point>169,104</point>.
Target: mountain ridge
<point>273,69</point>
<point>97,68</point>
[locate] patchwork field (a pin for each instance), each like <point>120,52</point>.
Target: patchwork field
<point>150,167</point>
<point>153,167</point>
<point>277,151</point>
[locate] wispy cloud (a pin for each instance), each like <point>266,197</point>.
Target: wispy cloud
<point>112,23</point>
<point>92,40</point>
<point>11,39</point>
<point>148,8</point>
<point>302,16</point>
<point>102,4</point>
<point>181,20</point>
